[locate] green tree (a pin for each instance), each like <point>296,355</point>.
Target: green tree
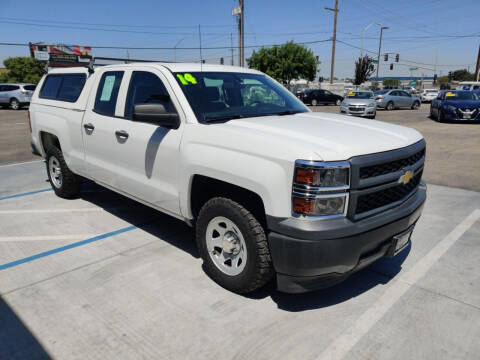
<point>391,83</point>
<point>462,75</point>
<point>22,69</point>
<point>442,79</point>
<point>286,62</point>
<point>363,69</point>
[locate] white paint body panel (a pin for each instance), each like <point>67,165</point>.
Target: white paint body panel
<point>156,165</point>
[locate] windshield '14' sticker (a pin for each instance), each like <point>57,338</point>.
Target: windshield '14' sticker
<point>187,79</point>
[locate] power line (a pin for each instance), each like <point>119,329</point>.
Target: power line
<point>178,48</point>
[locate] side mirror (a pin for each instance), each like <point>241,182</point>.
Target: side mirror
<point>155,114</point>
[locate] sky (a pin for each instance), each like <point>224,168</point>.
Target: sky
<point>417,29</point>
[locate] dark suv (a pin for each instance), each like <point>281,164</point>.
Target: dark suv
<point>320,96</point>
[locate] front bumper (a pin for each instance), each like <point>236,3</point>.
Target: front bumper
<point>318,253</point>
<point>368,111</point>
<point>453,116</point>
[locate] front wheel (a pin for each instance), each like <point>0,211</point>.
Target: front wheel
<point>415,105</point>
<point>14,104</point>
<point>64,182</point>
<point>233,246</point>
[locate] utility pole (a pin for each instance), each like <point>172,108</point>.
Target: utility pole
<point>238,11</point>
<point>231,47</point>
<point>380,47</point>
<point>334,38</point>
<point>477,68</point>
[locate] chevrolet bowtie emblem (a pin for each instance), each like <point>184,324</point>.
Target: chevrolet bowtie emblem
<point>405,178</point>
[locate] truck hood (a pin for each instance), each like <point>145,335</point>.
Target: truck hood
<point>323,136</point>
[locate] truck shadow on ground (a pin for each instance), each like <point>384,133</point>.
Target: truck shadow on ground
<point>180,235</point>
<point>16,340</point>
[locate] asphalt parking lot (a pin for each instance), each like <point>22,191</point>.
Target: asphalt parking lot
<point>103,277</point>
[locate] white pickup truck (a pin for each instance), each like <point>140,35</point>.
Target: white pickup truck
<point>273,190</point>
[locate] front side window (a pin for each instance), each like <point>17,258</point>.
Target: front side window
<point>227,95</point>
<point>146,88</point>
<point>107,93</point>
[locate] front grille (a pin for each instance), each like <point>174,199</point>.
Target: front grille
<point>390,167</point>
<point>358,109</point>
<point>387,196</point>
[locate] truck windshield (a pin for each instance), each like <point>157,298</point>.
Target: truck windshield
<point>221,96</point>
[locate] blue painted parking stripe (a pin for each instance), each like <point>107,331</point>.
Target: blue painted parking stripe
<point>66,247</point>
<point>24,194</point>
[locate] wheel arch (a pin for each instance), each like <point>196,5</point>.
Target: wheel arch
<point>204,188</point>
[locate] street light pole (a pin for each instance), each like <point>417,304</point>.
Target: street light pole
<point>363,35</point>
<point>380,47</point>
<point>175,48</point>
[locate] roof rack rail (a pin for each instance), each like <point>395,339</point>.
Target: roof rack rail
<point>91,62</point>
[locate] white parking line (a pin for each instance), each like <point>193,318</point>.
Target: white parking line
<point>46,237</point>
<point>95,209</point>
<point>33,211</point>
<point>22,163</point>
<point>343,344</point>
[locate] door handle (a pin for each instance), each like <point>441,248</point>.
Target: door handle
<point>122,134</point>
<point>89,126</point>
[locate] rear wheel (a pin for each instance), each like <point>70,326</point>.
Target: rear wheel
<point>14,104</point>
<point>390,106</point>
<point>338,102</point>
<point>233,246</point>
<point>64,182</point>
<point>314,102</point>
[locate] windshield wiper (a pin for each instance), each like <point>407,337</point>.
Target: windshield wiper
<point>221,118</point>
<point>288,112</point>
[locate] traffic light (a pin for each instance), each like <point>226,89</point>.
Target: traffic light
<point>385,57</point>
<point>391,66</point>
<point>449,76</point>
<point>434,78</point>
<point>320,79</point>
<point>397,57</point>
<point>221,61</point>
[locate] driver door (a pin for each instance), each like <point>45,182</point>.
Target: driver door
<point>147,153</point>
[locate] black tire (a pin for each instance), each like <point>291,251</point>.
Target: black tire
<point>338,102</point>
<point>440,116</point>
<point>14,104</point>
<point>415,105</point>
<point>258,269</point>
<point>70,183</point>
<point>314,102</point>
<point>390,106</point>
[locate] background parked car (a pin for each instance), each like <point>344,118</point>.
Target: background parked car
<point>359,103</point>
<point>16,95</point>
<point>320,96</point>
<point>395,99</point>
<point>427,95</point>
<point>455,105</point>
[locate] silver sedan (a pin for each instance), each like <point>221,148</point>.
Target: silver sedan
<point>395,99</point>
<point>359,103</point>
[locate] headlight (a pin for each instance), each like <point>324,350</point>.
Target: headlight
<point>451,107</point>
<point>371,105</point>
<point>320,188</point>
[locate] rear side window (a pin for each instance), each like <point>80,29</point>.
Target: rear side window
<point>29,87</point>
<point>107,93</point>
<point>63,87</point>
